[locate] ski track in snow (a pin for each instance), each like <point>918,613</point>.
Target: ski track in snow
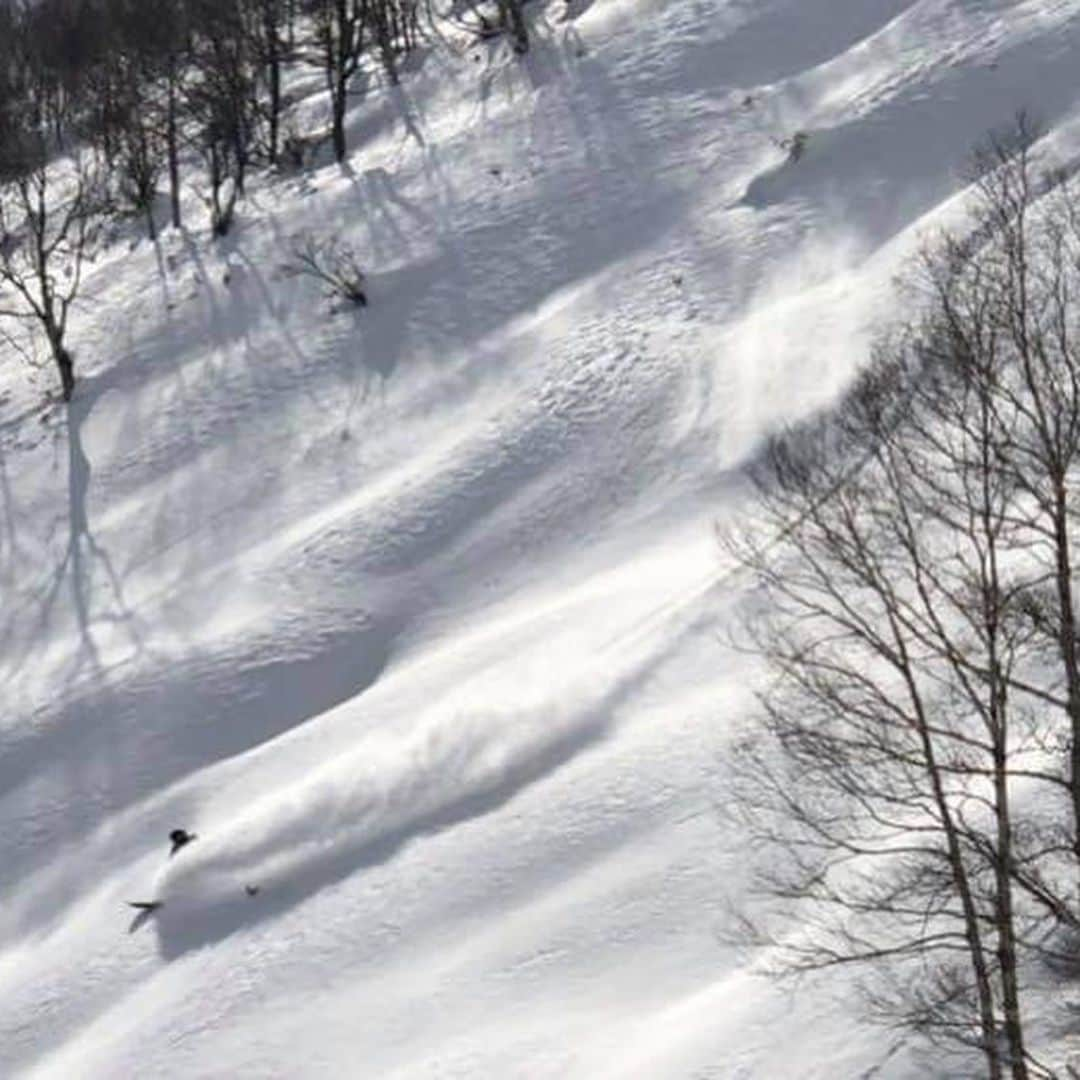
<point>414,615</point>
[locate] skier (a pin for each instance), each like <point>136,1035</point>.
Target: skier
<point>179,838</point>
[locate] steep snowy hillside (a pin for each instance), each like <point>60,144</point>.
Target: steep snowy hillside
<point>414,614</point>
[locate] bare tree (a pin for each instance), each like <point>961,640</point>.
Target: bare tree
<point>265,27</point>
<point>916,763</point>
<point>394,27</point>
<point>59,42</point>
<point>131,140</point>
<point>1030,267</point>
<point>135,97</point>
<point>47,215</point>
<point>223,103</point>
<point>340,29</point>
<point>142,82</point>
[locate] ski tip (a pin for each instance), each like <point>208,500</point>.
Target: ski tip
<point>145,910</point>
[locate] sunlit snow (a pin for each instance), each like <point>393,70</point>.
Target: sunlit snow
<point>415,613</point>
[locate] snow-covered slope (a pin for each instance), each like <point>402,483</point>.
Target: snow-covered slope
<point>414,614</point>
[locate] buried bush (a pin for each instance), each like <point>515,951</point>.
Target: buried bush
<point>332,262</point>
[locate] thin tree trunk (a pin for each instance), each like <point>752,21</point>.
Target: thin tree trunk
<point>338,107</point>
<point>65,363</point>
<point>171,138</point>
<point>511,15</point>
<point>275,98</point>
<point>1068,647</point>
<point>976,952</point>
<point>1006,928</point>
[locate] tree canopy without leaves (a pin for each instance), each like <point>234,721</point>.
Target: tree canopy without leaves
<point>917,765</point>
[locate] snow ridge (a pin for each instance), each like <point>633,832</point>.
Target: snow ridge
<point>416,615</point>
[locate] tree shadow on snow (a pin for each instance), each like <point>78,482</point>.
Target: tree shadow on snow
<point>223,706</point>
<point>85,570</point>
<point>469,280</point>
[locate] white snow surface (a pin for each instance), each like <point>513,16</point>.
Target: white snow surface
<point>415,614</point>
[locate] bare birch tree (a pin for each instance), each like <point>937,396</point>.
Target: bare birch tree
<point>916,765</point>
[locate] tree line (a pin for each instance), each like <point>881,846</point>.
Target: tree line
<point>104,101</point>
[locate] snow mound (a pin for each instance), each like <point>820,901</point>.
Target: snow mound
<point>415,614</point>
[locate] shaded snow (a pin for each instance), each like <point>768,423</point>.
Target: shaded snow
<point>415,614</point>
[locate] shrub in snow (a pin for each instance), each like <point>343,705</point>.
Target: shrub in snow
<point>334,263</point>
